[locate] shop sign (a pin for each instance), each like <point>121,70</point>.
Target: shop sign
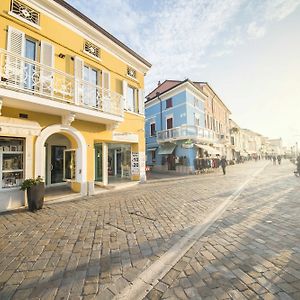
<point>125,137</point>
<point>188,144</point>
<point>135,170</point>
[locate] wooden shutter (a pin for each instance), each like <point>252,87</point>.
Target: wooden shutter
<point>14,64</point>
<point>78,74</point>
<point>46,78</point>
<point>106,91</point>
<point>125,85</point>
<point>141,101</point>
<point>15,41</point>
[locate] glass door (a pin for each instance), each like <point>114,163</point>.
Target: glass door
<point>91,89</point>
<point>98,162</point>
<point>69,170</point>
<point>29,71</point>
<point>57,164</point>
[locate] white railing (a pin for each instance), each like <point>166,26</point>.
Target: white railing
<point>22,74</point>
<point>185,132</point>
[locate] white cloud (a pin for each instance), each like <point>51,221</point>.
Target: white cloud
<point>280,9</point>
<point>255,31</point>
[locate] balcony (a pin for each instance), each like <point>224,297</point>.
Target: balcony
<point>27,83</point>
<point>186,132</point>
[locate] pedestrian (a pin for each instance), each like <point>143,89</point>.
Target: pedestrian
<point>274,160</point>
<point>223,164</point>
<point>279,159</point>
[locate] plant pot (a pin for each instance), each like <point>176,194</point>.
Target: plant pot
<point>35,196</point>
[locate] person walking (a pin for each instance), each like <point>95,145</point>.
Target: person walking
<point>279,159</point>
<point>223,164</point>
<point>274,160</point>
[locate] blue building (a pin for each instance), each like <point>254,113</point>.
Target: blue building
<point>176,133</point>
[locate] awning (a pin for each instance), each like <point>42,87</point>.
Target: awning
<point>210,150</point>
<point>166,148</point>
<point>152,149</point>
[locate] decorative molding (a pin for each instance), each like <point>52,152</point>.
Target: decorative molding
<point>112,127</point>
<point>92,49</point>
<point>17,127</point>
<point>68,119</point>
<point>25,12</point>
<point>131,72</point>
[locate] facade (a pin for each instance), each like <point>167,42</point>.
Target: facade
<point>176,134</point>
<point>275,147</point>
<point>72,104</point>
<point>217,119</point>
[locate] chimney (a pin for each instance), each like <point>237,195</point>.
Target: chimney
<point>158,84</point>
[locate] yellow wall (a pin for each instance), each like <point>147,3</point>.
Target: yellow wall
<point>70,44</point>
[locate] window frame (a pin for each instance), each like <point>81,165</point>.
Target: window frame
<point>169,103</point>
<point>152,134</point>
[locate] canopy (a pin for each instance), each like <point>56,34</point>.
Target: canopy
<point>166,148</point>
<point>209,149</point>
<point>152,149</point>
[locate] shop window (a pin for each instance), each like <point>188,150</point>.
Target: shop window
<point>11,162</point>
<point>169,103</point>
<point>152,129</point>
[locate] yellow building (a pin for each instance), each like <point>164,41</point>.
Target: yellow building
<point>71,101</point>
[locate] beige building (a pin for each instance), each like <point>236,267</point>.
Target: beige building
<point>217,119</point>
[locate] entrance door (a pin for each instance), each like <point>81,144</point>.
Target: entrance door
<point>171,162</point>
<point>57,163</point>
<point>98,162</point>
<point>90,90</point>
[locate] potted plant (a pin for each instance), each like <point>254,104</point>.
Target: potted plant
<point>35,192</point>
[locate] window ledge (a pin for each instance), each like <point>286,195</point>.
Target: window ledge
<point>134,113</point>
<point>24,20</point>
<point>92,56</point>
<point>132,78</point>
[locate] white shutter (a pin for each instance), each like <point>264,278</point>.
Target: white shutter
<point>141,101</point>
<point>46,77</point>
<point>78,73</point>
<point>47,54</point>
<point>106,100</point>
<point>125,85</point>
<point>14,63</point>
<point>15,41</point>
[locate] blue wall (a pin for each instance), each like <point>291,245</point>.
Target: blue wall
<point>183,112</point>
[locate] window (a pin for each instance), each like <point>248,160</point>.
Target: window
<point>197,120</point>
<point>153,155</point>
<point>132,98</point>
<point>169,103</point>
<point>169,123</point>
<point>91,49</point>
<point>25,12</point>
<point>152,129</point>
<point>11,162</point>
<point>131,72</point>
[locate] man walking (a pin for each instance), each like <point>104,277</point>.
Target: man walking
<point>223,164</point>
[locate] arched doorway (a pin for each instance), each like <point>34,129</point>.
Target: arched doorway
<point>60,157</point>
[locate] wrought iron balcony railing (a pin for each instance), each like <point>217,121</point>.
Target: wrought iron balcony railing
<point>186,132</point>
<point>25,75</point>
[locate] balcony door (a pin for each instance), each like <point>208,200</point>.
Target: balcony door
<point>90,87</point>
<point>30,70</point>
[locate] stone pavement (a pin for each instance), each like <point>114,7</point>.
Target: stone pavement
<point>96,247</point>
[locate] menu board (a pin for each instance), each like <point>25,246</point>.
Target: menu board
<point>135,163</point>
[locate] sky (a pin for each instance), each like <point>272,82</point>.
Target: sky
<point>247,50</point>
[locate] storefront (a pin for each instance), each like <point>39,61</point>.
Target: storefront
<point>16,159</point>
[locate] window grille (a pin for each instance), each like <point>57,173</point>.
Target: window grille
<point>25,12</point>
<point>131,72</point>
<point>92,49</point>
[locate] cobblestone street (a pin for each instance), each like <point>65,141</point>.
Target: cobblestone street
<point>97,247</point>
